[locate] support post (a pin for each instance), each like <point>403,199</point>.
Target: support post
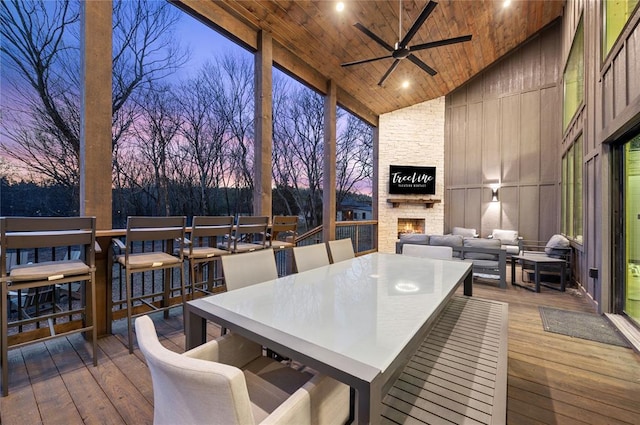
<point>95,112</point>
<point>329,164</point>
<point>263,125</point>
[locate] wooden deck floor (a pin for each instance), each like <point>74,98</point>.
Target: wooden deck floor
<point>552,379</point>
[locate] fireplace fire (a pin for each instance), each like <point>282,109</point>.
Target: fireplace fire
<point>410,225</point>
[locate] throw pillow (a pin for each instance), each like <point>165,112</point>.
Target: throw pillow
<point>557,246</point>
<point>464,232</point>
<point>508,237</point>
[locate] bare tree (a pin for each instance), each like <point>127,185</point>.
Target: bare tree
<point>40,48</point>
<point>204,131</point>
<point>281,160</point>
<point>156,131</point>
<point>231,84</point>
<point>145,51</point>
<point>298,146</point>
<point>354,156</point>
<point>38,51</point>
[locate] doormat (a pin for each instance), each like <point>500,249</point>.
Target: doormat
<point>581,325</point>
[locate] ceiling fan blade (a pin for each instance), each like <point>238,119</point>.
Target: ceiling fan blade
<point>426,68</point>
<point>392,68</point>
<point>373,37</point>
<point>440,43</point>
<point>366,60</point>
<point>418,23</point>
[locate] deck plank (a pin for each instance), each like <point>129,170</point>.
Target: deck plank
<point>54,401</point>
<point>87,394</point>
<point>20,406</point>
<point>553,379</point>
<point>117,384</point>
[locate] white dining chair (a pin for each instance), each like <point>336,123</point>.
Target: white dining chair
<point>310,257</point>
<point>428,251</point>
<point>340,250</point>
<point>227,381</point>
<point>249,268</point>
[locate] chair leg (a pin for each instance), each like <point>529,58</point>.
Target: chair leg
<point>166,298</point>
<point>4,342</point>
<point>94,327</point>
<point>128,280</point>
<point>193,278</point>
<point>184,297</point>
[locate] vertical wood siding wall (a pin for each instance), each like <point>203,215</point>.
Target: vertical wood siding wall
<point>505,127</point>
<point>611,108</point>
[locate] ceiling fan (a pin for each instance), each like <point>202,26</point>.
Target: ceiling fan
<point>402,50</point>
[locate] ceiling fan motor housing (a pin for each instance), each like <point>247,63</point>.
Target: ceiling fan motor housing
<point>401,52</point>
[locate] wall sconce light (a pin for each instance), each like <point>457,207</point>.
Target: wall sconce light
<point>494,194</point>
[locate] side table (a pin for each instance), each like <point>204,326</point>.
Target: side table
<point>537,260</point>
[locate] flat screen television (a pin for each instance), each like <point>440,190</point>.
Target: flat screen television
<point>410,180</point>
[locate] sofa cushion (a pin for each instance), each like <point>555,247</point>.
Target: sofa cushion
<point>481,243</point>
<point>415,238</point>
<point>454,241</point>
<point>464,232</point>
<point>446,240</point>
<point>487,265</point>
<point>557,246</point>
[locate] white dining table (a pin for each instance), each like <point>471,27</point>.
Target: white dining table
<point>357,321</point>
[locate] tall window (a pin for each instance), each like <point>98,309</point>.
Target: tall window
<point>572,192</point>
<point>631,198</point>
<point>616,13</point>
<point>577,190</point>
<point>573,78</point>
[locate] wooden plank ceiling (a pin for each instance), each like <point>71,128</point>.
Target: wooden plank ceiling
<point>311,41</point>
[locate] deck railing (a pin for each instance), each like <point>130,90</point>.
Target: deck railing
<point>111,283</point>
<point>363,235</point>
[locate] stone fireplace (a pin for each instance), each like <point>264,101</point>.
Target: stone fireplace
<point>412,136</point>
<point>411,225</point>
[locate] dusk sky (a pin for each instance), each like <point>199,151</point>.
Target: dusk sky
<point>204,42</point>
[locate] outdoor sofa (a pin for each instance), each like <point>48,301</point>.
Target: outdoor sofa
<point>489,259</point>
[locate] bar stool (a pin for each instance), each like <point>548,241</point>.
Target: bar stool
<point>203,251</point>
<point>149,247</point>
<point>286,225</point>
<point>282,239</point>
<point>249,234</point>
<point>44,238</point>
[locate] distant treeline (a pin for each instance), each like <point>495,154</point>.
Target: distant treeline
<point>34,200</point>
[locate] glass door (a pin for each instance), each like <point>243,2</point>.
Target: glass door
<point>631,223</point>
